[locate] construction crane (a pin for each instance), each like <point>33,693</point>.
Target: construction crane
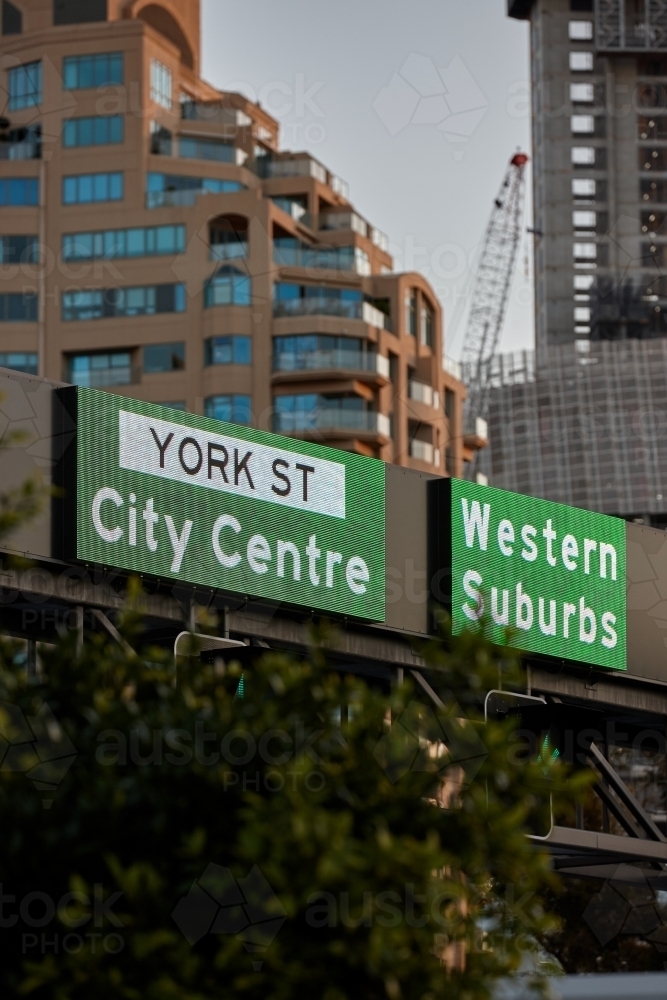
<point>491,292</point>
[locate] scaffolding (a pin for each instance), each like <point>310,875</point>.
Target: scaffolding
<point>587,428</point>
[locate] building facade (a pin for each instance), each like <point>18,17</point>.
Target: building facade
<point>156,241</point>
<point>599,102</point>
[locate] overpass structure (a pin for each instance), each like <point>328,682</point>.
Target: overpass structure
<point>273,533</point>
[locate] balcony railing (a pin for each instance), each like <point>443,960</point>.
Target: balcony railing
<point>422,451</point>
<point>422,393</point>
<point>294,210</point>
<point>375,317</point>
<point>229,251</point>
<point>344,220</point>
<point>20,150</point>
<point>328,258</point>
<point>330,306</point>
<point>303,167</point>
<point>354,361</point>
<point>334,419</point>
<point>454,368</point>
<point>105,378</point>
<point>380,239</point>
<point>198,111</point>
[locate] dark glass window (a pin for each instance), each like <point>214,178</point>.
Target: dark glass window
<point>18,250</point>
<point>12,23</point>
<point>206,149</point>
<point>79,11</point>
<point>18,308</point>
<point>164,358</point>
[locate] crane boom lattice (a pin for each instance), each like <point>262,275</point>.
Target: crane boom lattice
<point>492,289</point>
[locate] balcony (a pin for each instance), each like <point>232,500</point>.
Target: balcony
<point>103,371</point>
<point>424,452</point>
<point>421,392</point>
<point>348,361</point>
<point>478,435</point>
<point>294,210</point>
<point>304,166</point>
<point>334,419</point>
<point>22,144</point>
<point>323,258</point>
<point>214,113</point>
<point>330,306</point>
<point>343,220</point>
<point>453,368</point>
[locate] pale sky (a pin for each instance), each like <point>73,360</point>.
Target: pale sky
<point>418,104</point>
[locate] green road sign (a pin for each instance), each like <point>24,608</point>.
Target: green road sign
<point>189,498</point>
<point>554,576</point>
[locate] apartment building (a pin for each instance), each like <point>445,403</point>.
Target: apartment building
<point>156,241</point>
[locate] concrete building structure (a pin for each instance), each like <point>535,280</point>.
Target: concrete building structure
<point>599,103</point>
<point>156,241</point>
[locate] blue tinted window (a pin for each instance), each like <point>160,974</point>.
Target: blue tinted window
<point>102,69</point>
<point>20,362</point>
<point>19,191</point>
<point>98,131</point>
<point>177,190</point>
<point>228,351</point>
<point>85,188</point>
<point>25,86</point>
<point>227,287</point>
<point>119,243</point>
<point>97,371</point>
<point>141,300</point>
<point>233,408</point>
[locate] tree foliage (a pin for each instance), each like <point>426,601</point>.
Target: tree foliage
<point>318,834</point>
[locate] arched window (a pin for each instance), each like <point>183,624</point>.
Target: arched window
<point>227,287</point>
<point>161,20</point>
<point>228,237</point>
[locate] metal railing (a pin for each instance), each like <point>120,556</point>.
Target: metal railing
<point>198,111</point>
<point>334,419</point>
<point>344,220</point>
<point>104,378</point>
<point>330,306</point>
<point>355,361</point>
<point>327,258</point>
